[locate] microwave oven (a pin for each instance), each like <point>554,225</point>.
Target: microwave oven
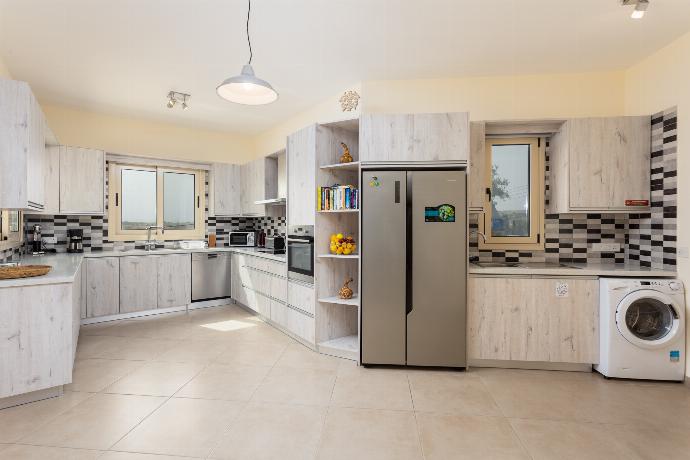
<point>242,238</point>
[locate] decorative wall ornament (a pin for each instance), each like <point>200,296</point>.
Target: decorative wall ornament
<point>349,101</point>
<point>345,291</point>
<point>345,157</point>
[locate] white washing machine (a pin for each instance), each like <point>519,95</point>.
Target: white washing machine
<point>642,329</point>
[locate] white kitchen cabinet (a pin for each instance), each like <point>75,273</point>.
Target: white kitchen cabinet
<point>301,171</point>
<point>138,283</point>
<point>78,304</point>
<point>102,286</point>
<point>82,176</point>
<point>533,319</point>
<point>597,164</point>
<point>174,280</point>
<point>52,180</point>
<point>476,178</point>
<point>301,296</point>
<point>259,179</point>
<point>415,137</point>
<point>22,151</point>
<point>226,189</point>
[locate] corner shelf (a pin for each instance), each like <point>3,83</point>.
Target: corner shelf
<point>344,347</point>
<point>336,256</point>
<point>352,166</point>
<point>354,301</point>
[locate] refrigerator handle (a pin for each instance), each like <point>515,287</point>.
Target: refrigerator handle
<point>408,244</point>
<point>397,191</point>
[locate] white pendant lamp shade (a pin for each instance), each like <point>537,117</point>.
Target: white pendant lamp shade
<point>247,89</point>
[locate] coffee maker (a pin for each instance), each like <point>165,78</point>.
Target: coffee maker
<point>75,237</point>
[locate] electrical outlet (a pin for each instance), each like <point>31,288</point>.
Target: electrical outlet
<point>606,247</point>
<point>49,239</point>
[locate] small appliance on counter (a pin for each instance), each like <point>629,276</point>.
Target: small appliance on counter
<point>37,243</point>
<point>247,238</point>
<point>274,245</point>
<point>75,240</point>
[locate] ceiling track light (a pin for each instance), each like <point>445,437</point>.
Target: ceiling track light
<point>174,98</point>
<point>640,7</point>
<point>246,88</point>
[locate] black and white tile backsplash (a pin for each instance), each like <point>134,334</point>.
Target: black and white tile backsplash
<point>653,236</point>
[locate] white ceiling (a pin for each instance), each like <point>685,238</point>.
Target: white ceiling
<point>123,56</point>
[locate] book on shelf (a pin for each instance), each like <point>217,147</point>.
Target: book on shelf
<point>337,197</point>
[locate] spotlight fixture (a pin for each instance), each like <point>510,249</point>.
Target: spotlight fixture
<point>174,97</point>
<point>246,88</point>
<point>640,7</point>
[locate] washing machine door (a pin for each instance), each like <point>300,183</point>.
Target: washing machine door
<point>648,319</point>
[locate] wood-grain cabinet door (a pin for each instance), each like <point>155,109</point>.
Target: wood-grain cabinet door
<point>226,189</point>
<point>301,166</point>
<point>82,176</point>
<point>138,283</point>
<point>476,178</point>
<point>609,161</point>
<point>174,280</point>
<point>102,286</point>
<point>524,319</point>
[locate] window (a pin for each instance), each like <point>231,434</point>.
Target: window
<point>10,229</point>
<point>514,211</point>
<point>141,196</point>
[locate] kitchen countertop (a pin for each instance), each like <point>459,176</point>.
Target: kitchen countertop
<point>65,266</point>
<point>574,269</point>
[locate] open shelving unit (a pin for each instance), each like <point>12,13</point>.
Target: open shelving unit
<point>337,320</point>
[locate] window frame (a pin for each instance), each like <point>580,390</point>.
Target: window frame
<point>537,197</point>
<point>115,231</point>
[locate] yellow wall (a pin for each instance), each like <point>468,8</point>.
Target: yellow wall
<point>133,136</point>
<point>4,71</point>
<point>659,82</point>
<point>506,97</point>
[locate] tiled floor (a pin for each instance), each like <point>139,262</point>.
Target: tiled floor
<point>221,384</point>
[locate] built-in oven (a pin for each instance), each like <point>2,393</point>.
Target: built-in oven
<point>247,238</point>
<point>300,253</point>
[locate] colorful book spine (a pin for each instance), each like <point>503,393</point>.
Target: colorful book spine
<point>337,197</point>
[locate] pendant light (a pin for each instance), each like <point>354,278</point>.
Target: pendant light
<point>246,88</point>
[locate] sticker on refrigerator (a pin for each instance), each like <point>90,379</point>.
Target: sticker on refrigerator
<point>674,356</point>
<point>374,182</point>
<point>441,213</point>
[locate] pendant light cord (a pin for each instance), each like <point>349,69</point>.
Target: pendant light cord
<point>249,42</point>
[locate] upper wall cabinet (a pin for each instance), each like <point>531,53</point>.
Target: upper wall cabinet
<point>301,166</point>
<point>259,179</point>
<point>82,178</point>
<point>22,148</point>
<point>601,165</point>
<point>415,137</point>
<point>476,185</point>
<point>226,189</point>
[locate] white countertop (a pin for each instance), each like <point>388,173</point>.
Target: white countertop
<point>65,266</point>
<point>573,269</point>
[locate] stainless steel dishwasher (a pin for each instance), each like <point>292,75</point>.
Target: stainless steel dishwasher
<point>210,275</point>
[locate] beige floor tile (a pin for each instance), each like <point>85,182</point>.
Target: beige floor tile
<point>17,422</point>
<point>669,442</point>
<point>156,379</point>
<point>23,452</point>
<point>296,386</point>
<point>193,351</point>
<point>251,353</point>
<point>184,427</point>
<point>96,423</point>
<point>96,329</point>
<point>131,348</point>
<point>298,356</point>
<point>152,328</point>
<point>132,456</point>
<point>451,393</point>
<point>372,389</point>
<point>226,328</point>
<point>369,434</point>
<point>273,431</point>
<point>94,375</point>
<point>446,437</point>
<point>546,439</point>
<point>206,315</point>
<point>233,382</point>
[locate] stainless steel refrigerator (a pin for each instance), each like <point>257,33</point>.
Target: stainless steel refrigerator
<point>414,267</point>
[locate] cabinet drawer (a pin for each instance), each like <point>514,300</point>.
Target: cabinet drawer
<point>279,313</point>
<point>301,297</point>
<point>278,288</point>
<point>263,305</point>
<point>276,268</point>
<point>301,325</point>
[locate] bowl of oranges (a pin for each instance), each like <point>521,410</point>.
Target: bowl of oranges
<point>342,245</point>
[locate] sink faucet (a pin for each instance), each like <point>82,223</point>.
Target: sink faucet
<point>478,234</point>
<point>150,244</point>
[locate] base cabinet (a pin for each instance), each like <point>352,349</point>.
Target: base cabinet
<point>533,319</point>
<point>174,280</point>
<point>138,283</point>
<point>102,286</point>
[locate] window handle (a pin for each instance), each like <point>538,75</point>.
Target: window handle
<point>198,201</point>
<point>488,192</point>
<point>117,199</point>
